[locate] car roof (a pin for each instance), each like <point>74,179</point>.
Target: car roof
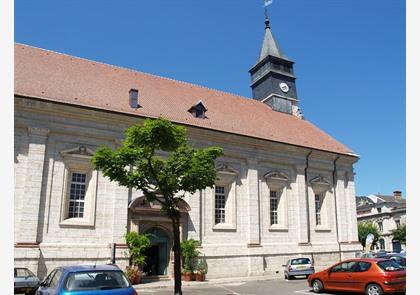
<point>395,255</point>
<point>90,267</point>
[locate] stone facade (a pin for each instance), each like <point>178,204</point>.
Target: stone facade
<point>53,139</point>
<point>387,212</point>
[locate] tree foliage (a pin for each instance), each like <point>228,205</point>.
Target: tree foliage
<point>156,159</point>
<point>399,233</point>
<point>368,227</point>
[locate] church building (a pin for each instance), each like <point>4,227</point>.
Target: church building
<point>285,188</point>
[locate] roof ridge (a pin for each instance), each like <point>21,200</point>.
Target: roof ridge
<point>137,71</point>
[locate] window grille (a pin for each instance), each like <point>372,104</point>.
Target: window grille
<point>220,204</point>
<point>273,207</point>
<point>318,209</point>
<point>77,195</point>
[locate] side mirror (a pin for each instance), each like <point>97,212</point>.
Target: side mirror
<point>284,265</point>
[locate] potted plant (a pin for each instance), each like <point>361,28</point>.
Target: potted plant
<point>133,273</point>
<point>201,270</point>
<point>187,275</point>
<point>189,255</point>
<point>137,245</point>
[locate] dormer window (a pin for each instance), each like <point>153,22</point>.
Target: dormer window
<point>198,110</point>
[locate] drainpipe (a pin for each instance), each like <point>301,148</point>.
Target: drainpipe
<point>201,217</point>
<point>335,205</point>
<point>307,197</point>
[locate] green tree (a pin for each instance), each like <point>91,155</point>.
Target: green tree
<point>137,245</point>
<point>399,233</point>
<point>368,227</point>
<point>166,180</point>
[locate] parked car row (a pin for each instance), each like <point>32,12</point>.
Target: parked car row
<point>369,275</point>
<point>75,280</point>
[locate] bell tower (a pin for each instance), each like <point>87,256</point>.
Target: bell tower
<point>272,77</point>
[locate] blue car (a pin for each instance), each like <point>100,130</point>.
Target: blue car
<point>86,280</point>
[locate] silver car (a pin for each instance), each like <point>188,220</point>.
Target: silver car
<point>25,281</point>
<point>298,267</point>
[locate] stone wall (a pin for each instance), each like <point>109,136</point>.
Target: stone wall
<point>247,245</point>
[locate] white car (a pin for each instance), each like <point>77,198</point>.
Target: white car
<point>298,267</point>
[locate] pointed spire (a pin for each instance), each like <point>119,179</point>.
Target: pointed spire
<point>270,46</point>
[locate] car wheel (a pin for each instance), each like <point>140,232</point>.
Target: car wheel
<point>374,289</point>
<point>286,277</point>
<point>317,286</point>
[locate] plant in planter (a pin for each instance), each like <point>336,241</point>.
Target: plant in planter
<point>189,254</point>
<point>201,270</point>
<point>137,245</point>
<point>133,273</point>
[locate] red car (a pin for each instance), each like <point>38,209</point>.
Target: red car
<point>372,276</point>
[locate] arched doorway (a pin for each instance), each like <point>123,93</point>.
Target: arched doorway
<point>157,256</point>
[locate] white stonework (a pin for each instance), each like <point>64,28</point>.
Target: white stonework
<point>387,212</point>
<point>247,244</point>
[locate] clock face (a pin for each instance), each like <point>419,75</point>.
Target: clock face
<point>284,87</point>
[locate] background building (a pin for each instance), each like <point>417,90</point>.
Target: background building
<point>388,212</point>
<point>285,188</point>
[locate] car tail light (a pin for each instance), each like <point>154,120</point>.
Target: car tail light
<point>290,268</point>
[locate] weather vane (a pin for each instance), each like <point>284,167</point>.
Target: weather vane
<point>266,3</point>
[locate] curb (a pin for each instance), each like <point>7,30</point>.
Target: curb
<point>169,284</point>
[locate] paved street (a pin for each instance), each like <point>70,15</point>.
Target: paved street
<point>259,287</point>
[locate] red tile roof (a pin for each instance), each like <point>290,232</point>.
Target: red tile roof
<point>62,78</point>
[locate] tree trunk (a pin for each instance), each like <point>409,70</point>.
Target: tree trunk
<point>177,256</point>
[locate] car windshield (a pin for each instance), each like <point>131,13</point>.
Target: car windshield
<point>389,265</point>
<point>300,261</point>
<point>96,280</point>
<point>23,272</point>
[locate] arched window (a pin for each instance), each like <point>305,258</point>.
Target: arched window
<point>320,187</point>
<point>224,198</point>
<point>277,183</point>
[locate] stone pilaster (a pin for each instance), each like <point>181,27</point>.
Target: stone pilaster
<point>341,203</point>
<point>351,208</point>
<point>33,185</point>
<point>120,214</point>
<point>254,237</point>
<point>302,205</point>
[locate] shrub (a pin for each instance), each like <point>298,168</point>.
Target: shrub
<point>189,254</point>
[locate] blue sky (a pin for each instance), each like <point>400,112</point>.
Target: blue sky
<point>350,58</point>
